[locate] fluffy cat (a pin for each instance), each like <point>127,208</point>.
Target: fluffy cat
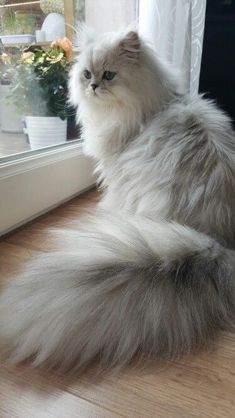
<point>153,273</point>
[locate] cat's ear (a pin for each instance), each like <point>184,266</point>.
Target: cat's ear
<point>130,45</point>
<point>84,36</point>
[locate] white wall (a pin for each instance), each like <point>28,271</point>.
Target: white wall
<point>110,15</point>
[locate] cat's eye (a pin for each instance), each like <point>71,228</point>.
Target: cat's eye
<point>87,74</point>
<point>108,75</point>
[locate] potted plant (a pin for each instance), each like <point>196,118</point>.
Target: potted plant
<point>40,86</point>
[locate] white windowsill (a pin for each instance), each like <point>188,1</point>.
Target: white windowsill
<point>37,182</point>
<point>13,165</point>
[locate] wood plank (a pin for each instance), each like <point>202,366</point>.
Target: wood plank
<point>20,399</point>
<point>69,18</point>
<point>200,386</point>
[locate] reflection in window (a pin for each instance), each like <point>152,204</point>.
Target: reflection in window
<point>35,59</point>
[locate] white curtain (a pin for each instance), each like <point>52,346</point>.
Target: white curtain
<point>176,29</point>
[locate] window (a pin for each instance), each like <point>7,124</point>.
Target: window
<point>34,68</point>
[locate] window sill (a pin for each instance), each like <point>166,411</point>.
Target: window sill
<point>23,162</point>
<point>36,183</point>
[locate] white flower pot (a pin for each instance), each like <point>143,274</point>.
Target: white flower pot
<point>10,119</point>
<point>44,131</point>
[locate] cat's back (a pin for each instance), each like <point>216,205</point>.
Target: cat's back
<point>196,117</point>
<point>189,134</point>
<point>199,158</point>
<point>182,167</point>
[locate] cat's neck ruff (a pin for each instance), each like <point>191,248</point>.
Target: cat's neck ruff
<point>107,130</point>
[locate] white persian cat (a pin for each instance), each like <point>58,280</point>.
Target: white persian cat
<point>153,274</point>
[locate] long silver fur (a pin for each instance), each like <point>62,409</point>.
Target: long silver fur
<point>153,273</point>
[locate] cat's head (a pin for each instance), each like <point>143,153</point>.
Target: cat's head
<point>117,70</point>
<point>106,68</point>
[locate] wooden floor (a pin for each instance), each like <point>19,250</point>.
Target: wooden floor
<point>202,386</point>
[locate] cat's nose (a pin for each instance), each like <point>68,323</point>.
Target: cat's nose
<point>94,86</point>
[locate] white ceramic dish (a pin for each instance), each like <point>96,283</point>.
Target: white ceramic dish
<point>18,39</point>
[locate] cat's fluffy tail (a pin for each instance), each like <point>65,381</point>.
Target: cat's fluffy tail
<point>133,286</point>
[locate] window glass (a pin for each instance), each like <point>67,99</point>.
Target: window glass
<point>35,59</point>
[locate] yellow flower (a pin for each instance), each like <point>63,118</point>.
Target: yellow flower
<point>58,58</point>
<point>5,58</point>
<point>28,57</point>
<point>66,45</point>
<point>41,60</point>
